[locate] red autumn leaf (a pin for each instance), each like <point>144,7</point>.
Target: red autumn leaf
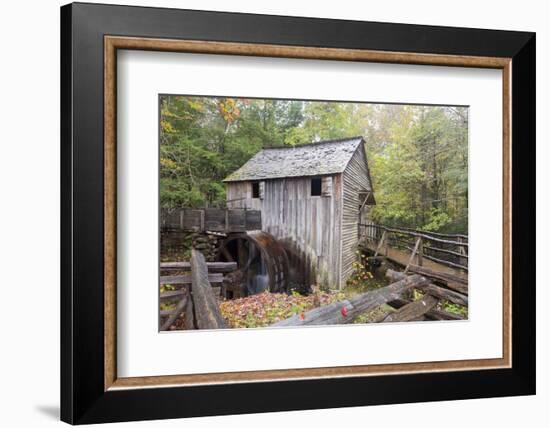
<point>344,311</point>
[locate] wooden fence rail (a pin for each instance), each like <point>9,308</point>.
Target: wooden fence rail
<point>347,311</point>
<point>446,249</point>
<point>374,229</point>
<point>193,292</point>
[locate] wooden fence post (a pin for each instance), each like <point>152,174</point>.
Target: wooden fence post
<point>461,249</point>
<point>380,243</point>
<point>207,312</point>
<point>417,244</point>
<point>420,252</point>
<point>202,220</point>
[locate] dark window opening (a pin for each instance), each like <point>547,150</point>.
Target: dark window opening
<point>316,186</point>
<point>255,190</point>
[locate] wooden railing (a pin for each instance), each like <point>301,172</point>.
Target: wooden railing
<point>191,291</point>
<point>211,219</point>
<point>447,249</point>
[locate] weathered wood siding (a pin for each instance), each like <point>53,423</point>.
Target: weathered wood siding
<point>239,195</point>
<point>308,226</point>
<point>356,179</point>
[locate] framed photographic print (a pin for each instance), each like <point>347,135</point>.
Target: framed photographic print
<point>265,213</point>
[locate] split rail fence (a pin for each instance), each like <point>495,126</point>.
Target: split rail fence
<point>397,295</point>
<point>190,286</point>
<point>450,250</point>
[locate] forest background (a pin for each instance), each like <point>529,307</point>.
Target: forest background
<point>418,155</point>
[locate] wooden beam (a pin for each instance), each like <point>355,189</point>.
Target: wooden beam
<point>213,267</point>
<point>228,255</point>
<point>172,294</point>
<point>175,314</point>
<point>425,236</point>
<point>207,311</point>
<point>413,310</point>
<point>458,287</point>
<point>433,314</point>
<point>443,293</point>
<point>439,315</point>
<point>367,194</point>
<point>187,279</point>
<point>442,276</point>
<point>189,316</point>
<point>453,253</point>
<point>446,262</point>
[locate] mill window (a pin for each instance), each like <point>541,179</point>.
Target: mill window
<point>316,186</point>
<point>256,190</point>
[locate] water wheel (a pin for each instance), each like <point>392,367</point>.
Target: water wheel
<point>261,259</point>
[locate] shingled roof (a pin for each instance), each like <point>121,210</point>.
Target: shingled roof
<point>320,158</point>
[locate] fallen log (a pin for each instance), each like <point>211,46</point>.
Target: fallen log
<point>413,310</point>
<point>207,312</point>
<point>346,311</point>
<point>434,290</point>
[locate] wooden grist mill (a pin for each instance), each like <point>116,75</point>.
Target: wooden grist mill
<point>312,197</point>
<point>292,215</point>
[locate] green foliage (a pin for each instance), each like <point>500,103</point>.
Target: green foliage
<point>418,155</point>
<point>455,309</point>
<point>419,165</point>
<point>362,280</point>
